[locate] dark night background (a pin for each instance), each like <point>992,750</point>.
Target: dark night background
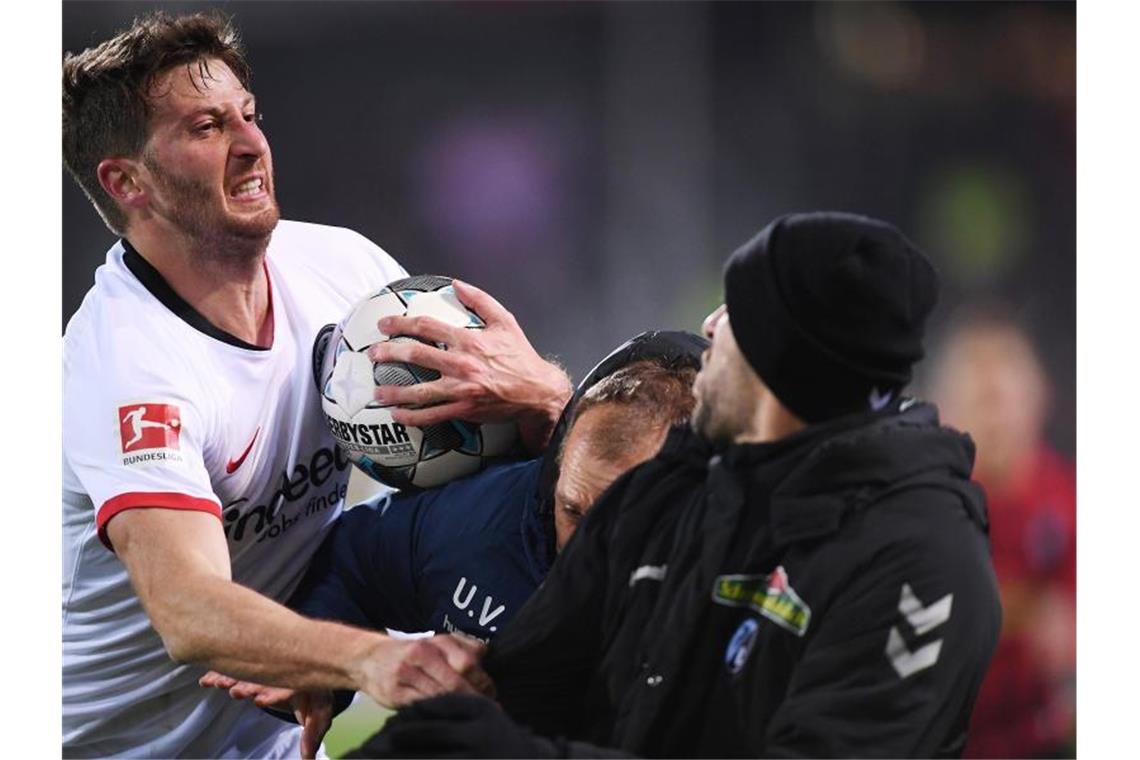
<point>592,165</point>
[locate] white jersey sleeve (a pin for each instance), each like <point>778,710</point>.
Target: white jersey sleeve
<point>134,430</point>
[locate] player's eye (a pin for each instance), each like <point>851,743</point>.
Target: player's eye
<point>205,127</point>
<point>254,118</point>
<point>572,513</point>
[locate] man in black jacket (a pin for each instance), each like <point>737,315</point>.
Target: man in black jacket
<point>805,573</point>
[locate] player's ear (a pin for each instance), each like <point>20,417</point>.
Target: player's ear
<point>119,178</point>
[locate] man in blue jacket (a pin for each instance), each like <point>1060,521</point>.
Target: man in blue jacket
<point>466,556</point>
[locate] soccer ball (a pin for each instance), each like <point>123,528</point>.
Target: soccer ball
<point>397,455</point>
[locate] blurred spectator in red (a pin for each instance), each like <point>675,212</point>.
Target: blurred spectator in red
<point>990,383</point>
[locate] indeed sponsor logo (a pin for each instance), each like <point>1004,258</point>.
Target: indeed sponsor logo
<point>239,522</point>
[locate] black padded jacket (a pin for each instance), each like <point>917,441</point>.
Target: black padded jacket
<point>829,594</point>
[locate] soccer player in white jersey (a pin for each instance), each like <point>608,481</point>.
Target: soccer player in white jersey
<point>198,476</point>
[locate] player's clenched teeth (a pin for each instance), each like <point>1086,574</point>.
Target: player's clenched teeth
<point>248,188</point>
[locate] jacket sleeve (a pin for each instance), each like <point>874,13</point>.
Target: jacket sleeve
<point>363,568</point>
<point>544,660</point>
<point>894,663</point>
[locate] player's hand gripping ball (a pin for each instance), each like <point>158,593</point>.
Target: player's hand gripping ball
<point>401,456</point>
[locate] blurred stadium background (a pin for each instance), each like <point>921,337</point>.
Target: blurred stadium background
<point>592,164</point>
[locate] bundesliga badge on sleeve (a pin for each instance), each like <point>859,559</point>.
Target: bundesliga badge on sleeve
<point>149,433</point>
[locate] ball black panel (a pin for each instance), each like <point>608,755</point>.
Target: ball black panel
<point>425,282</point>
<point>393,373</point>
<point>321,351</point>
<point>422,374</point>
<point>442,437</point>
<point>397,477</point>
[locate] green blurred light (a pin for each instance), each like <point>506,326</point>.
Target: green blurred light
<point>977,219</point>
<point>695,302</point>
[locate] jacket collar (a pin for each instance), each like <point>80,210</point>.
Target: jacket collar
<point>538,536</point>
<point>857,460</point>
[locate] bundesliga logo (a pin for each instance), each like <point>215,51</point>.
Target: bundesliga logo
<point>149,433</point>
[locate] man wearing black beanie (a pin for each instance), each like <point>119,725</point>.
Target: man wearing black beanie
<point>805,572</point>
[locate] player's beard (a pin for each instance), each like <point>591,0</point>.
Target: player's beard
<point>194,209</point>
<point>719,415</point>
<point>705,423</point>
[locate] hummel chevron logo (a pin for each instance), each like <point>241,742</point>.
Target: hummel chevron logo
<point>922,620</point>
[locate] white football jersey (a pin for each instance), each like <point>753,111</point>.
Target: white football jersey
<point>161,409</point>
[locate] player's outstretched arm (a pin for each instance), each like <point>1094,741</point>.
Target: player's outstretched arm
<point>179,565</point>
<point>489,375</point>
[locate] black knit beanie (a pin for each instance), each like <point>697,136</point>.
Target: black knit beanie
<point>829,309</point>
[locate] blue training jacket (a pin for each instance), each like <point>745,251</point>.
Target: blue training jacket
<point>464,557</point>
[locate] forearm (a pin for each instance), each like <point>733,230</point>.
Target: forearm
<point>226,627</point>
<point>179,567</point>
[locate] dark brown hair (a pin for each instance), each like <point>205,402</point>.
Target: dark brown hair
<point>106,90</point>
<point>649,395</point>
